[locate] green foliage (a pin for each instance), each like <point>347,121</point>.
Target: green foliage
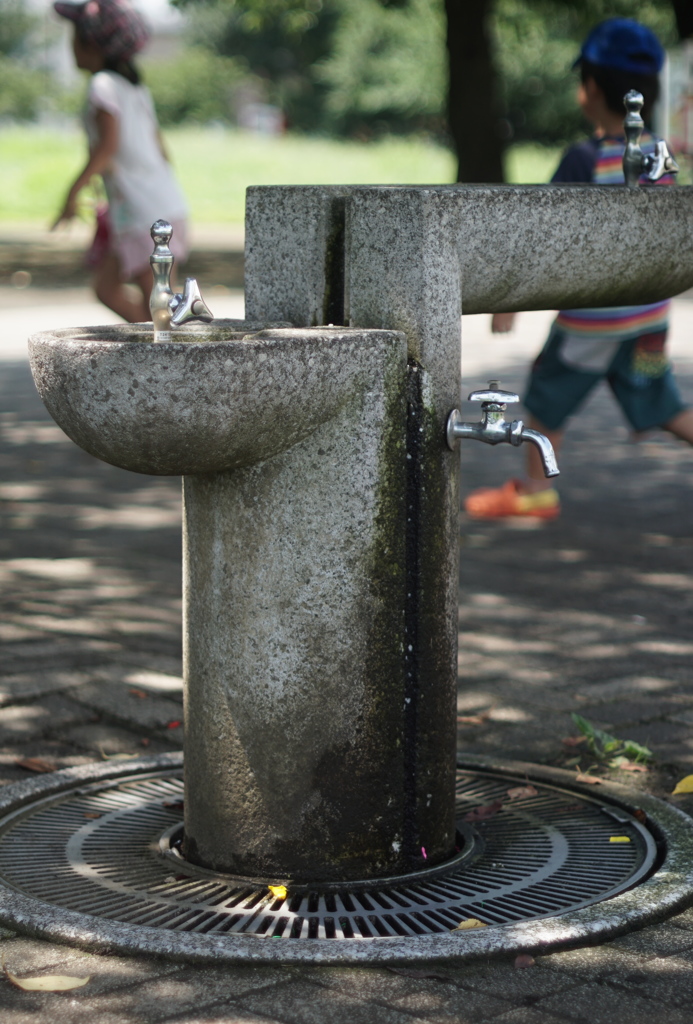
<point>387,67</point>
<point>295,16</point>
<point>280,42</point>
<point>22,89</point>
<point>358,67</point>
<point>606,747</point>
<point>21,85</point>
<point>197,87</point>
<point>338,66</point>
<point>16,24</point>
<point>537,89</point>
<point>658,14</point>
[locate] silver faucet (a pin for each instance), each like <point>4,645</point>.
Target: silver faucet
<point>493,428</point>
<point>635,163</point>
<point>169,309</point>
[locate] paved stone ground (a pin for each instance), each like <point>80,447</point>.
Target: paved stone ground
<point>589,614</point>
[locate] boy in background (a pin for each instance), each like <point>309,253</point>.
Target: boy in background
<point>624,345</point>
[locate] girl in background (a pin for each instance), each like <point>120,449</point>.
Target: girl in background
<point>126,150</point>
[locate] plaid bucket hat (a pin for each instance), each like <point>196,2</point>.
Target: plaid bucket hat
<point>113,25</point>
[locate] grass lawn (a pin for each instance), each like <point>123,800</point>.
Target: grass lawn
<point>215,166</point>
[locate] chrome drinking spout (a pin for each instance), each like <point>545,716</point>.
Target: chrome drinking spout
<point>545,449</point>
<point>494,429</point>
<point>635,163</point>
<point>166,307</point>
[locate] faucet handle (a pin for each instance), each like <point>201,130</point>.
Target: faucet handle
<point>190,305</point>
<point>660,163</point>
<point>494,394</point>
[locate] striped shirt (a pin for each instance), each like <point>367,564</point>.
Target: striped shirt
<point>599,161</point>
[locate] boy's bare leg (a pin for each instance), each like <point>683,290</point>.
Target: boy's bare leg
<point>112,292</point>
<point>535,480</point>
<point>682,426</point>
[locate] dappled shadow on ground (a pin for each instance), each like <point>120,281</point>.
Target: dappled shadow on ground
<point>589,613</point>
<point>90,579</point>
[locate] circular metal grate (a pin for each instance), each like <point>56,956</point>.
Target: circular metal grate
<point>95,849</point>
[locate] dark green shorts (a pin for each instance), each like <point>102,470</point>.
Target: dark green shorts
<point>636,370</point>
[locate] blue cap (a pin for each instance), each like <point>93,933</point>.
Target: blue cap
<point>625,45</point>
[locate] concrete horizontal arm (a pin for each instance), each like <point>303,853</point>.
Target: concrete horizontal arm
<point>517,246</point>
<point>571,246</point>
<point>550,246</point>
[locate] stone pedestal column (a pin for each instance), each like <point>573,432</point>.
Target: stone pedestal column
<point>300,711</point>
<point>384,256</point>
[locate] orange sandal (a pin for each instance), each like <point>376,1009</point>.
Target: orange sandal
<point>508,500</point>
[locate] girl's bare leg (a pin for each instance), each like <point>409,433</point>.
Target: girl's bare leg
<point>145,282</point>
<point>112,292</point>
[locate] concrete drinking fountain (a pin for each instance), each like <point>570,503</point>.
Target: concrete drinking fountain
<point>320,802</point>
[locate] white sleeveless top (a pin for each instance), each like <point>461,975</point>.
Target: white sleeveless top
<point>140,184</point>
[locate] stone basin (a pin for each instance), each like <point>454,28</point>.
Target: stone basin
<point>219,397</point>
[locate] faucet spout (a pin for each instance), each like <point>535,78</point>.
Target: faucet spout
<point>545,448</point>
<point>492,428</point>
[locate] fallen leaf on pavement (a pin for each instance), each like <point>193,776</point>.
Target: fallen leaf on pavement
<point>640,815</point>
<point>522,792</point>
<point>35,764</point>
<point>469,922</point>
<point>478,719</point>
<point>91,814</point>
<point>279,891</point>
<point>685,785</point>
<point>484,813</point>
<point>45,982</point>
<point>524,960</point>
<point>173,725</point>
<point>592,780</point>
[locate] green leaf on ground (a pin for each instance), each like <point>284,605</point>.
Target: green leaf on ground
<point>610,748</point>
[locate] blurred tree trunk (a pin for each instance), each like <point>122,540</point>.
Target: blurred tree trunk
<point>473,110</point>
<point>683,9</point>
